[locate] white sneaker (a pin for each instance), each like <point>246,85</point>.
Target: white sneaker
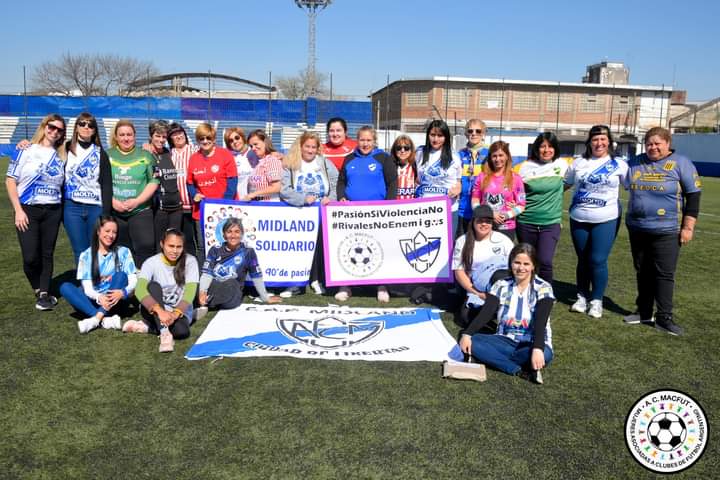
<point>595,310</point>
<point>317,288</point>
<point>382,295</point>
<point>580,305</point>
<point>634,319</point>
<point>88,324</point>
<point>111,323</point>
<point>289,292</point>
<point>343,294</point>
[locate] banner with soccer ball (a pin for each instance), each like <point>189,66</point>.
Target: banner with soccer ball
<point>282,236</point>
<point>331,333</point>
<point>386,242</point>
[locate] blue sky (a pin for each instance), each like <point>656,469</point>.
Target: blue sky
<point>361,42</point>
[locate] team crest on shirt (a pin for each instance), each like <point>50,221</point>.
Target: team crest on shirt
<point>420,251</point>
<point>372,167</point>
<point>215,168</point>
<point>669,165</point>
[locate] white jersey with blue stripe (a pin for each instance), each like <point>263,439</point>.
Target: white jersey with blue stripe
<point>82,175</point>
<point>39,174</point>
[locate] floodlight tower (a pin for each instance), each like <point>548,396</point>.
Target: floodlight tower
<point>312,7</point>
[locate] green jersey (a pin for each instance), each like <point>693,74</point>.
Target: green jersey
<point>543,191</point>
<point>131,173</point>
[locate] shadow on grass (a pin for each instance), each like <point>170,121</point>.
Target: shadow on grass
<point>126,309</point>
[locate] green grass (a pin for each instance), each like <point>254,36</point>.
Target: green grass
<point>107,405</point>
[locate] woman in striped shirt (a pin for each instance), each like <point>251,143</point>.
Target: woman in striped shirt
<point>403,152</point>
<point>265,181</point>
<point>181,150</point>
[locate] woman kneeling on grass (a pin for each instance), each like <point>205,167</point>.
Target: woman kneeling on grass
<point>166,288</point>
<point>521,304</point>
<point>225,269</point>
<point>108,276</point>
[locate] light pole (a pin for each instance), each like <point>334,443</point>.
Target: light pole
<point>312,7</point>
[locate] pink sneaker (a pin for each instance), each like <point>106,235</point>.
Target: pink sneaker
<point>167,342</point>
<point>135,326</point>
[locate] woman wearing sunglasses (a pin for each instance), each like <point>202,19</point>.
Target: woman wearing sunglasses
<point>211,174</point>
<point>403,152</point>
<point>34,184</point>
<point>245,158</point>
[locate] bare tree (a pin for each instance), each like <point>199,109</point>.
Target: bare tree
<point>91,74</point>
<point>303,85</point>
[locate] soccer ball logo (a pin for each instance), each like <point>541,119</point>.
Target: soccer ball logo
<point>360,255</point>
<point>666,431</point>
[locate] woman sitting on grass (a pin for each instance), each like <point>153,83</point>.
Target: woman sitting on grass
<point>521,305</point>
<point>166,289</point>
<point>225,269</point>
<point>108,276</point>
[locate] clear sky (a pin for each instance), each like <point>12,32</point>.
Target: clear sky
<point>362,42</point>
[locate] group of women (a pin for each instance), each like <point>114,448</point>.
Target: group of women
<point>123,205</point>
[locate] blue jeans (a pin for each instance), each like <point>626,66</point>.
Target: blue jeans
<point>79,221</point>
<point>504,353</point>
<point>76,297</point>
<point>593,242</point>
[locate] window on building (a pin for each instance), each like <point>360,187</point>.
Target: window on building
<point>622,103</point>
<point>457,97</point>
<point>566,102</point>
<point>592,103</point>
<point>526,101</point>
<point>416,99</point>
<point>490,99</point>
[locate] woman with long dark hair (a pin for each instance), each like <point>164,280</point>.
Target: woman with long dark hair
<point>166,288</point>
<point>34,185</point>
<point>439,167</point>
<point>107,276</point>
<point>480,257</point>
<point>521,305</point>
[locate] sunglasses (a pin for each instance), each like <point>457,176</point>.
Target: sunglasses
<point>236,138</point>
<point>202,139</point>
<point>403,148</point>
<point>55,128</point>
<point>84,123</point>
<point>473,131</point>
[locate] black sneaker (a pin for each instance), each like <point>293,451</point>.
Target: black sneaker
<point>668,326</point>
<point>45,301</point>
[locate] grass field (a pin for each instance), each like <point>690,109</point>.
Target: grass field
<point>107,405</point>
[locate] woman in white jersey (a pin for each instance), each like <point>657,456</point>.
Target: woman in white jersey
<point>34,184</point>
<point>594,216</point>
<point>245,158</point>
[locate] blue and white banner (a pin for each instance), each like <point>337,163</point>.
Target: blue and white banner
<point>332,333</point>
<point>283,236</point>
<point>384,242</point>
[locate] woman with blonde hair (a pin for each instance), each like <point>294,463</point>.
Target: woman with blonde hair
<point>309,177</point>
<point>500,188</point>
<point>34,184</point>
<point>134,184</point>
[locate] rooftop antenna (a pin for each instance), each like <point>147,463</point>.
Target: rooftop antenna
<point>312,7</point>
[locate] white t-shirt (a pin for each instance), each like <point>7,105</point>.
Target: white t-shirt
<point>155,269</point>
<point>489,255</point>
<point>596,184</point>
<point>311,179</point>
<point>39,174</point>
<point>434,180</point>
<point>244,170</point>
<point>82,175</point>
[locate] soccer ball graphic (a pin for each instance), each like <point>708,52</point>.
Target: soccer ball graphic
<point>666,431</point>
<point>360,255</point>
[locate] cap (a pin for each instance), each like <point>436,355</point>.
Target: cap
<point>483,211</point>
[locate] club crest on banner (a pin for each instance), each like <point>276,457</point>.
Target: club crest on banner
<point>420,251</point>
<point>329,332</point>
<point>360,254</point>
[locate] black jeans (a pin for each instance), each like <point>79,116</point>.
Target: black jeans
<point>655,259</point>
<point>225,295</point>
<point>165,220</point>
<point>180,328</point>
<point>137,233</point>
<point>545,239</point>
<point>37,243</point>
